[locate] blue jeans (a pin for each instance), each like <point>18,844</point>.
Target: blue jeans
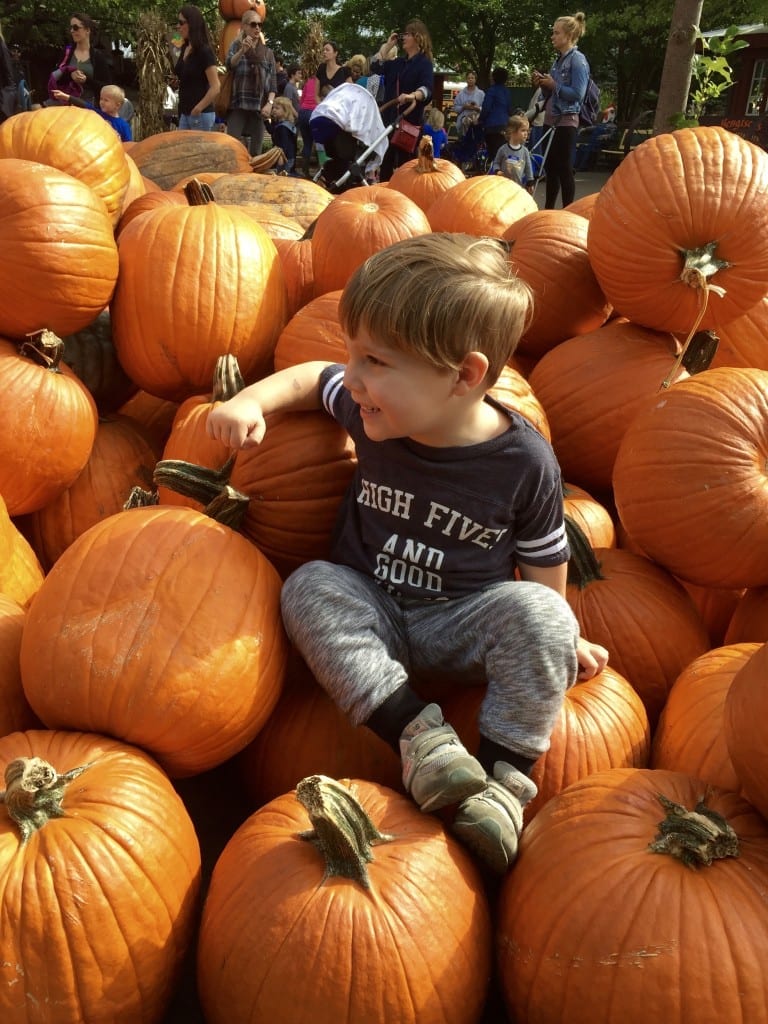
<point>197,123</point>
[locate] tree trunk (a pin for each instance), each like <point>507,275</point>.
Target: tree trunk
<point>153,68</point>
<point>678,60</point>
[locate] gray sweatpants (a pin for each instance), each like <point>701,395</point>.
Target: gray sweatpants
<point>361,644</point>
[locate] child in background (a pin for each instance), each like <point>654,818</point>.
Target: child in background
<point>513,159</point>
<point>111,100</point>
<point>453,494</point>
<point>434,128</point>
<point>284,130</point>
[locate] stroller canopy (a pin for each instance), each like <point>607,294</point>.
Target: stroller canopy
<point>354,110</point>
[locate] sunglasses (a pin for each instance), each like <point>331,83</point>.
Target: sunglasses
<point>75,28</point>
<point>253,24</point>
<point>180,22</point>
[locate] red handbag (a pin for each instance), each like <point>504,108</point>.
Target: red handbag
<point>406,136</point>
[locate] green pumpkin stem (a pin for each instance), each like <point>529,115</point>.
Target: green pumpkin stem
<point>210,487</point>
<point>44,348</point>
<point>228,381</point>
<point>583,565</point>
<point>701,264</point>
<point>140,498</point>
<point>341,829</point>
<point>695,837</point>
<point>34,791</point>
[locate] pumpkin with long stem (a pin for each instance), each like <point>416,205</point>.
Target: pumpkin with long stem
<point>426,178</point>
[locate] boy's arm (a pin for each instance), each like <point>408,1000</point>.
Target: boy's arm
<point>592,658</point>
<point>239,423</point>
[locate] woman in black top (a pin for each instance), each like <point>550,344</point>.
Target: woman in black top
<point>196,71</point>
<point>331,73</point>
<point>90,67</point>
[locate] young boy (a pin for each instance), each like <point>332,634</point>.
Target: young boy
<point>513,159</point>
<point>452,493</point>
<point>434,128</point>
<point>111,100</point>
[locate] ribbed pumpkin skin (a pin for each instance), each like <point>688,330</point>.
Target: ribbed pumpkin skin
<point>58,257</point>
<point>749,622</point>
<point>594,928</point>
<point>20,571</point>
<point>298,200</point>
<point>680,191</point>
<point>592,518</point>
<point>296,260</point>
<point>646,620</point>
<point>426,178</point>
<point>121,458</point>
<point>76,142</point>
<point>742,341</point>
<point>613,372</point>
<point>296,479</point>
<point>210,283</point>
<point>161,627</point>
<point>99,906</point>
<point>746,706</point>
<point>146,203</point>
<point>314,332</point>
<point>166,158</point>
<point>690,736</point>
<point>357,224</point>
<point>548,250</point>
<point>48,423</point>
<point>15,712</point>
<point>514,391</point>
<point>484,205</point>
<point>414,949</point>
<point>690,478</point>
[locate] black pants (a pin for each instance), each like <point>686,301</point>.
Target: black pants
<point>559,167</point>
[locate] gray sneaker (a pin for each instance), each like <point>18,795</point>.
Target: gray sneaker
<point>437,770</point>
<point>491,822</point>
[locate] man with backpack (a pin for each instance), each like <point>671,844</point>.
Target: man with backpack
<point>566,88</point>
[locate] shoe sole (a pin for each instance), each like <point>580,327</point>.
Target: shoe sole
<point>484,839</point>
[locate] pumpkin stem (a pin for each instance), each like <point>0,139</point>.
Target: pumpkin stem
<point>140,498</point>
<point>34,791</point>
<point>699,265</point>
<point>210,487</point>
<point>583,565</point>
<point>198,193</point>
<point>228,381</point>
<point>694,837</point>
<point>44,348</point>
<point>341,829</point>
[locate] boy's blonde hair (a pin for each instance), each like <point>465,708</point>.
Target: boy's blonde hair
<point>282,109</point>
<point>516,122</point>
<point>113,92</point>
<point>435,118</point>
<point>440,297</point>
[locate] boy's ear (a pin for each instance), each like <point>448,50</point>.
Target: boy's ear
<point>472,372</point>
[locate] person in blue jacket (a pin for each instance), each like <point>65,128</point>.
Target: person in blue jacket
<point>496,112</point>
<point>565,87</point>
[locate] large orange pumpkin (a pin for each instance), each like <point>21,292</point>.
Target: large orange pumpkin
<point>690,478</point>
<point>484,205</point>
<point>48,421</point>
<point>15,712</point>
<point>58,258</point>
<point>684,211</point>
<point>99,875</point>
<point>296,259</point>
<point>746,706</point>
<point>548,250</point>
<point>357,224</point>
<point>162,627</point>
<point>749,621</point>
<point>742,341</point>
<point>313,332</point>
<point>596,926</point>
<point>168,157</point>
<point>20,571</point>
<point>76,141</point>
<point>209,282</point>
<point>410,909</point>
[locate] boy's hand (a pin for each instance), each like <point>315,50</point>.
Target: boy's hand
<point>238,423</point>
<point>592,658</point>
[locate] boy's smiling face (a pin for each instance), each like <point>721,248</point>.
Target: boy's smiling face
<point>399,394</point>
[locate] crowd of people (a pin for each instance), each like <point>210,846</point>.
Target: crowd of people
<point>263,96</point>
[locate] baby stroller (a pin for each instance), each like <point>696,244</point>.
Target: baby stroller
<point>348,124</point>
<point>470,151</point>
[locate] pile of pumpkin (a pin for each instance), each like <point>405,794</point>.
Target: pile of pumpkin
<point>140,569</point>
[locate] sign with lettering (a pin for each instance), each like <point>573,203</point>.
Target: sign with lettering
<point>753,129</point>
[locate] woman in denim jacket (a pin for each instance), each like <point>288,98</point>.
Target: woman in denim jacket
<point>565,87</point>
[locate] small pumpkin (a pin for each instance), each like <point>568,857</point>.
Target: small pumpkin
<point>483,205</point>
<point>426,177</point>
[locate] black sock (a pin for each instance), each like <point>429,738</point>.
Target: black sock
<point>391,717</point>
<point>489,753</point>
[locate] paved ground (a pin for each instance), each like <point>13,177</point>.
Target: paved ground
<point>586,183</point>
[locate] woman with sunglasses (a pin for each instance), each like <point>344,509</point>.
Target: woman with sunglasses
<point>196,71</point>
<point>254,83</point>
<point>408,80</point>
<point>84,69</point>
